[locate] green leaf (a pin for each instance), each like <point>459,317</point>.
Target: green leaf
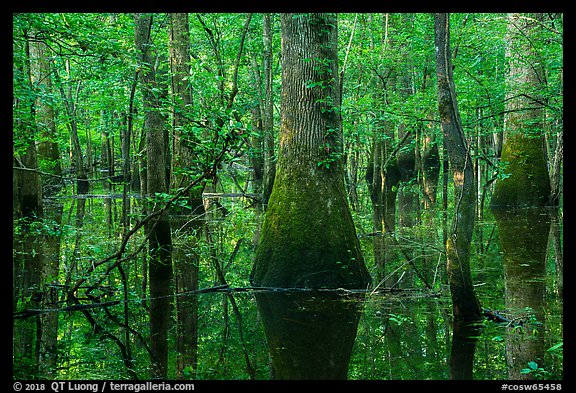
<point>556,347</point>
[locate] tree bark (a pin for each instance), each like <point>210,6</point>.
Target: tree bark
<point>523,153</point>
<point>28,261</point>
<point>308,237</point>
<point>49,155</point>
<point>160,242</point>
<point>464,302</point>
<point>187,222</point>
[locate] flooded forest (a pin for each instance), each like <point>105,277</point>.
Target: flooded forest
<point>259,196</point>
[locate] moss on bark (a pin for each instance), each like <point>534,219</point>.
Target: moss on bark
<point>523,152</point>
<point>528,183</point>
<point>308,237</point>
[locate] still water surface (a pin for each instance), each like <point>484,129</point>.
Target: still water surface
<point>408,333</point>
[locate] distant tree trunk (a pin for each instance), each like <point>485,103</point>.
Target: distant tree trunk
<point>125,147</point>
<point>48,151</point>
<point>523,151</point>
<point>556,170</point>
<point>464,301</point>
<point>82,185</point>
<point>406,159</point>
<point>188,222</point>
<point>107,165</point>
<point>308,237</point>
<point>256,152</point>
<point>263,118</point>
<point>428,158</point>
<point>353,162</point>
<point>377,181</point>
<point>406,156</point>
<point>382,177</point>
<point>430,167</point>
<point>160,243</point>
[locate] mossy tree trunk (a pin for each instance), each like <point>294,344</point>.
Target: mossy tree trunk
<point>526,182</point>
<point>308,236</point>
<point>464,302</point>
<point>160,242</point>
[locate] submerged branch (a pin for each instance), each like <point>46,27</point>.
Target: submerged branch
<point>407,292</point>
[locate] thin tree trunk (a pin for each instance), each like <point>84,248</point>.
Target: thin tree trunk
<point>49,153</point>
<point>28,261</point>
<point>464,302</point>
<point>160,242</point>
<point>268,113</point>
<point>82,186</point>
<point>187,222</point>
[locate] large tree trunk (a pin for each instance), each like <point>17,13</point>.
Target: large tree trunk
<point>464,302</point>
<point>308,237</point>
<point>160,243</point>
<point>523,151</point>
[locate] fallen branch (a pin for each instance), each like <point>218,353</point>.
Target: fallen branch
<point>229,290</point>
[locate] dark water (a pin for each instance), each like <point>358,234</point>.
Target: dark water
<point>400,332</point>
<point>408,333</point>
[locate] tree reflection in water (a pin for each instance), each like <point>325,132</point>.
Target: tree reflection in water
<point>523,238</point>
<point>310,334</point>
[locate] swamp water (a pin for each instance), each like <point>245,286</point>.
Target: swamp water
<point>402,333</point>
<point>409,334</point>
